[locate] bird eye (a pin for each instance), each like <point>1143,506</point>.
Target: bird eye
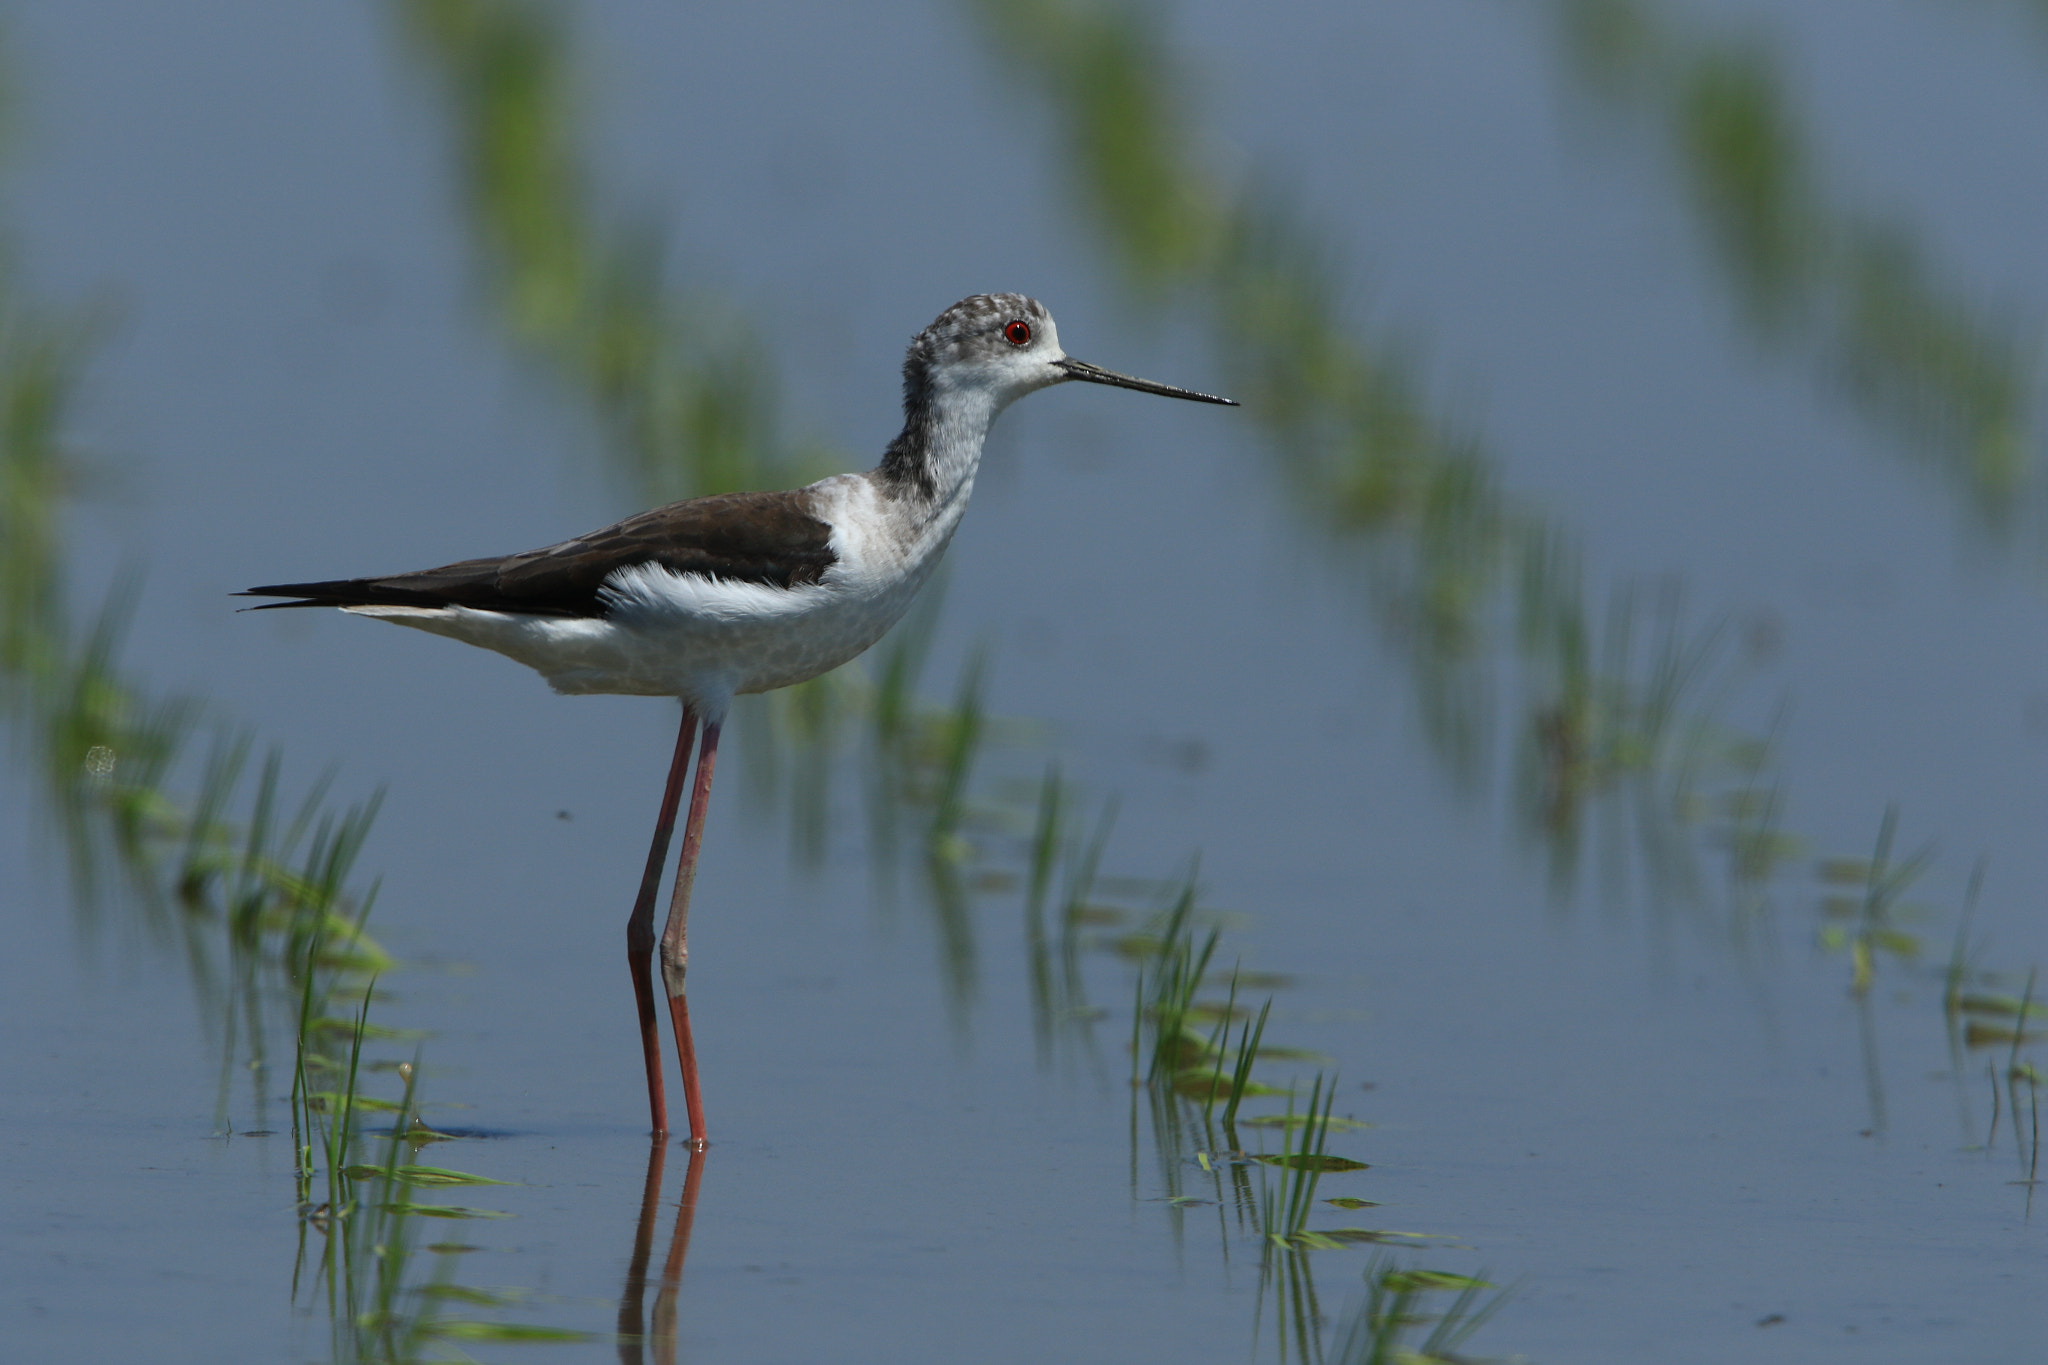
<point>1018,333</point>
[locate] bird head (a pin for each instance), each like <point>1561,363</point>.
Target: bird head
<point>1005,346</point>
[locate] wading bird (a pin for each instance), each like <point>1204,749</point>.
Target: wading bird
<point>714,597</point>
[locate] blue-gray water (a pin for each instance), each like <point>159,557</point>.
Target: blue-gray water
<point>1667,1140</point>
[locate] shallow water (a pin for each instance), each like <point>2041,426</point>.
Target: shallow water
<point>1649,1102</point>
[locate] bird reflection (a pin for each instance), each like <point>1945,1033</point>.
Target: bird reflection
<point>635,1334</point>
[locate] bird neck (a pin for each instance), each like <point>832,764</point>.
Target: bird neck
<point>931,463</point>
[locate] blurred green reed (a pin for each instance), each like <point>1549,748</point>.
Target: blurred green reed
<point>239,895</point>
<point>1609,717</point>
<point>1865,916</point>
<point>1048,830</point>
<point>208,862</point>
<point>262,908</point>
<point>677,381</point>
<point>1611,720</point>
<point>1404,498</point>
<point>254,886</point>
<point>1060,1002</point>
<point>41,354</point>
<point>1630,736</point>
<point>1845,290</point>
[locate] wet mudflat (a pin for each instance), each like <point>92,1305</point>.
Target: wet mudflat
<point>1593,689</point>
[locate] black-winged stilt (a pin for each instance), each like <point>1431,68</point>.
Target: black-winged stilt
<point>713,597</point>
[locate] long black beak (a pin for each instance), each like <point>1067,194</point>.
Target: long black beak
<point>1095,374</point>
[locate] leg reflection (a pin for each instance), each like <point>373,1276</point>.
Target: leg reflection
<point>635,1333</point>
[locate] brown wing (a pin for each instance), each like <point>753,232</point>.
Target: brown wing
<point>767,538</point>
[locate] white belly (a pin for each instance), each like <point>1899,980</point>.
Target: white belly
<point>683,635</point>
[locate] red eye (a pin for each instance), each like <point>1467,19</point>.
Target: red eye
<point>1018,333</point>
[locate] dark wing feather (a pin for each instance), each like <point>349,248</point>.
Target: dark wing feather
<point>767,538</point>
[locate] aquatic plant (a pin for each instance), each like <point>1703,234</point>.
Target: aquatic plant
<point>1381,1329</point>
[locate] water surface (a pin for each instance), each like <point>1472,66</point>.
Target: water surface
<point>1702,318</point>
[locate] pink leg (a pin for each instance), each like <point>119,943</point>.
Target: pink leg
<point>640,928</point>
<point>675,935</point>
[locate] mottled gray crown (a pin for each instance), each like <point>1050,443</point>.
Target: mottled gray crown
<point>971,327</point>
